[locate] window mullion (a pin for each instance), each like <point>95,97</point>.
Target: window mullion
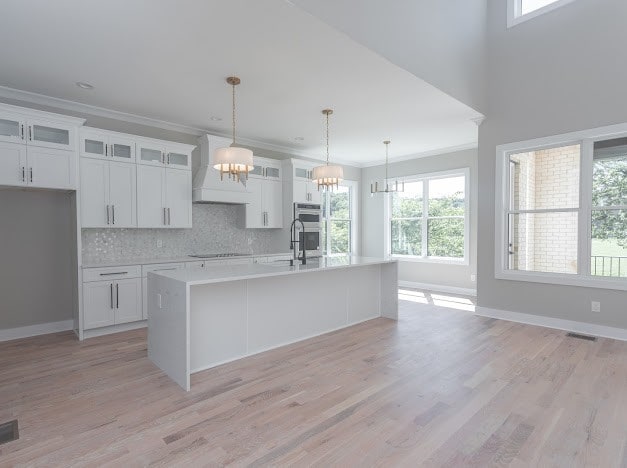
<point>425,218</point>
<point>585,212</point>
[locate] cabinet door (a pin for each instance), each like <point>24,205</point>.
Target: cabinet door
<point>94,193</point>
<point>257,172</point>
<point>128,296</point>
<point>51,168</point>
<point>122,194</point>
<point>50,135</point>
<point>273,172</point>
<point>255,217</point>
<point>315,195</point>
<point>93,144</point>
<point>98,304</point>
<point>12,129</point>
<point>121,149</point>
<point>273,203</point>
<point>178,159</point>
<point>301,173</point>
<point>12,163</point>
<point>150,197</point>
<point>301,191</point>
<point>152,155</point>
<point>179,198</point>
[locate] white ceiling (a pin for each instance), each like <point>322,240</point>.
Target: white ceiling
<point>167,60</point>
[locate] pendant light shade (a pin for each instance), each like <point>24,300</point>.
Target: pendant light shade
<point>233,160</point>
<point>328,176</point>
<point>387,188</point>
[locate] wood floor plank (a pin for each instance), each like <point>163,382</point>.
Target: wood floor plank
<point>440,387</point>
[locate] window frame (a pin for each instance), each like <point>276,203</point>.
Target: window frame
<point>586,139</point>
<point>424,258</point>
<point>353,187</point>
<point>515,16</point>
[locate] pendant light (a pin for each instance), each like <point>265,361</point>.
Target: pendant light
<point>328,176</point>
<point>374,188</point>
<point>233,160</point>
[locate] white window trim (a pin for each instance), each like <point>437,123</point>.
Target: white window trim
<point>464,171</point>
<point>515,16</point>
<point>354,201</point>
<point>586,139</point>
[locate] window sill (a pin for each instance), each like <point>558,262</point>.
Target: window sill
<point>564,279</point>
<point>439,260</point>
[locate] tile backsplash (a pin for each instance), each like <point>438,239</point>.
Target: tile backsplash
<point>215,230</point>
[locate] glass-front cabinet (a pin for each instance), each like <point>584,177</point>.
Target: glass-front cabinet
<point>101,144</point>
<point>154,154</point>
<point>50,135</point>
<point>266,169</point>
<point>11,128</point>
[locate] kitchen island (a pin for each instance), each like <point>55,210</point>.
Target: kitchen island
<point>201,318</point>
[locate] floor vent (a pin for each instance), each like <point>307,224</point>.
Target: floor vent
<point>9,432</point>
<point>582,337</point>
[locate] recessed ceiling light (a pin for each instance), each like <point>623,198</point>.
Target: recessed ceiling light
<point>83,85</point>
<point>299,138</point>
<point>215,119</point>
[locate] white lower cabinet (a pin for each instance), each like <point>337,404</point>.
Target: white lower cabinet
<point>111,296</point>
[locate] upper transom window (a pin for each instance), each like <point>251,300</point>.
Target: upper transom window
<point>522,10</point>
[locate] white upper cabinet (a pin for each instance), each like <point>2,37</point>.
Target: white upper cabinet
<point>303,188</point>
<point>265,209</point>
<point>50,134</point>
<point>164,197</point>
<point>108,194</point>
<point>159,153</point>
<point>37,149</point>
<point>96,143</point>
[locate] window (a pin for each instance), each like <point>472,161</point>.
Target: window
<point>562,212</point>
<point>338,220</point>
<point>428,221</point>
<point>519,11</point>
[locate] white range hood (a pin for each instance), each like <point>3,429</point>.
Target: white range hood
<point>207,186</point>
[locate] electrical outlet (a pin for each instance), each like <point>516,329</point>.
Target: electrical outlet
<point>473,278</point>
<point>596,306</point>
<point>159,243</point>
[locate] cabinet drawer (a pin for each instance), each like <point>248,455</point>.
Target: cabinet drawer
<point>161,267</point>
<point>111,273</point>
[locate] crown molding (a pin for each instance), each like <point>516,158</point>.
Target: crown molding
<point>426,154</point>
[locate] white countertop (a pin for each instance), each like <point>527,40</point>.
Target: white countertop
<point>225,273</point>
<point>154,260</point>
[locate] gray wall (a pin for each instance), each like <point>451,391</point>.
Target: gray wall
<point>441,42</point>
<point>373,227</point>
<point>560,72</point>
<point>36,244</point>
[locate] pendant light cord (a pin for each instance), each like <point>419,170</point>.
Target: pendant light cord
<point>327,139</point>
<point>386,163</point>
<point>233,86</point>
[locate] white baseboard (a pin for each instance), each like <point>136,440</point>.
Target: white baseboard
<point>438,288</point>
<point>35,330</point>
<point>114,329</point>
<point>551,322</point>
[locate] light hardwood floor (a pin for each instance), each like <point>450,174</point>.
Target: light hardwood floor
<point>439,388</point>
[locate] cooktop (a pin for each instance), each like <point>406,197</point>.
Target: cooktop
<point>218,255</point>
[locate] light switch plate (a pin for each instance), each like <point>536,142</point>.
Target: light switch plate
<point>596,306</point>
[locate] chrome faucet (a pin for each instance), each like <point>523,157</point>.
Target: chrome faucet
<point>293,241</point>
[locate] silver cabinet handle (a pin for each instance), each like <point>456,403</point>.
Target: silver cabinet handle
<point>23,174</point>
<point>117,296</point>
<point>165,217</point>
<point>108,216</point>
<point>113,214</point>
<point>111,293</point>
<point>114,273</point>
<point>106,150</point>
<point>168,158</point>
<point>22,135</point>
<point>30,132</point>
<point>31,174</point>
